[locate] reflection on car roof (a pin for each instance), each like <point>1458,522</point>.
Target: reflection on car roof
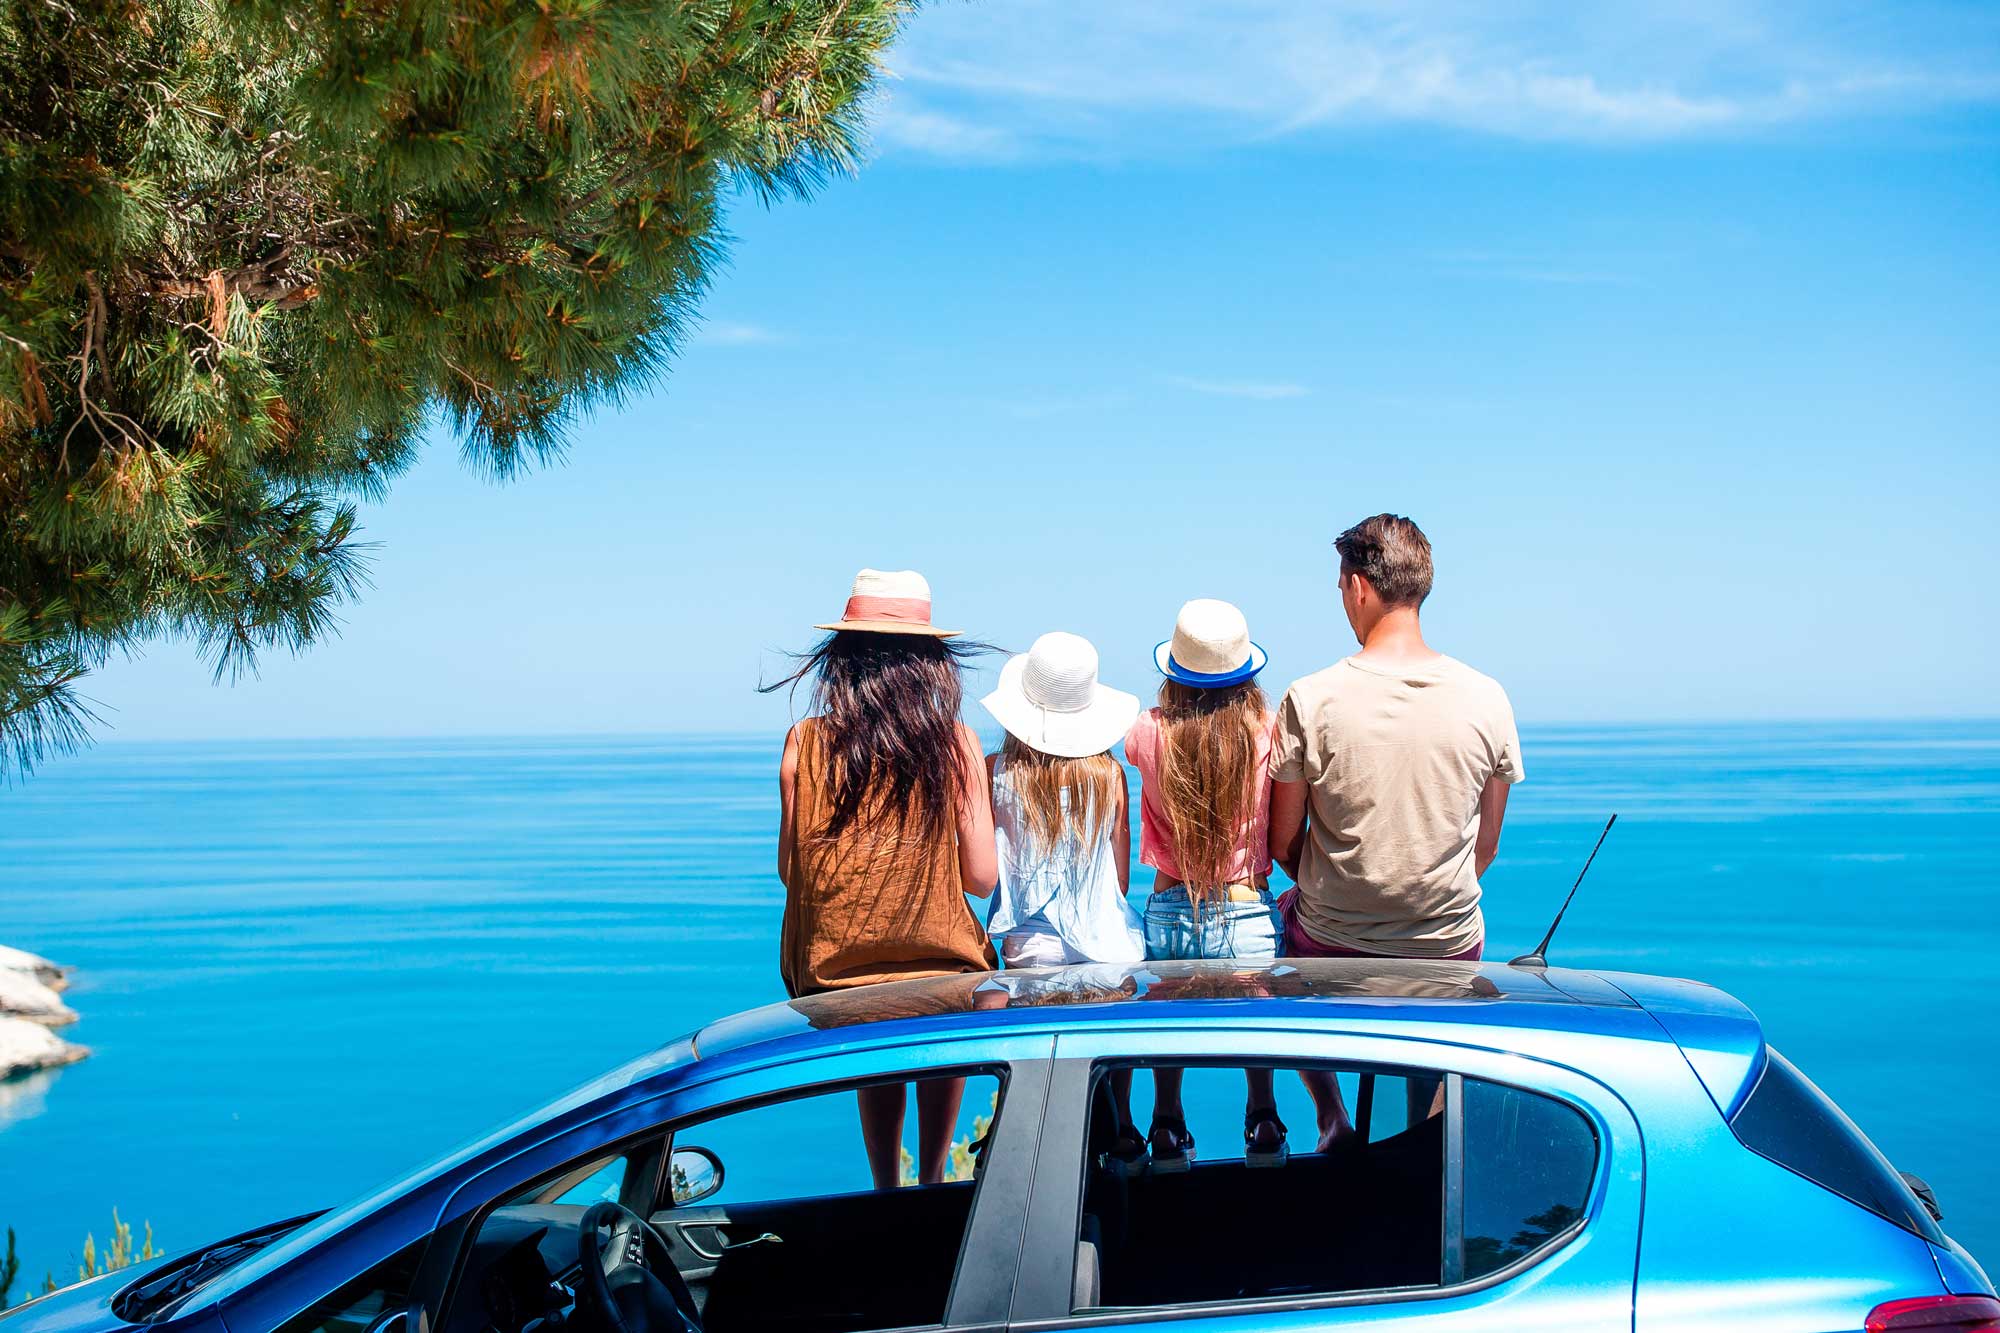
<point>1363,980</point>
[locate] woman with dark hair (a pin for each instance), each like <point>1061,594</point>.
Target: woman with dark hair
<point>885,825</point>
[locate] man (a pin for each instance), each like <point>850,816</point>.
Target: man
<point>1391,768</point>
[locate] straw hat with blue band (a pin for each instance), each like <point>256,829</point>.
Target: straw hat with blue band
<point>1211,647</point>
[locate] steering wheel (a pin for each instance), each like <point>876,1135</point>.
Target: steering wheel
<point>628,1281</point>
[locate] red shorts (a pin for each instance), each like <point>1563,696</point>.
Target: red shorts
<point>1298,944</point>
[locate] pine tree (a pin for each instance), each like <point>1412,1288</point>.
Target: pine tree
<point>251,249</point>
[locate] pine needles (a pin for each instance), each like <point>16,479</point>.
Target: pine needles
<point>248,246</point>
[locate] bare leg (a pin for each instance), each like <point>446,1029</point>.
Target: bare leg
<point>1121,1096</point>
<point>1328,1106</point>
<point>1263,1140</point>
<point>937,1116</point>
<point>882,1132</point>
<point>1168,1140</point>
<point>1167,1094</point>
<point>1261,1093</point>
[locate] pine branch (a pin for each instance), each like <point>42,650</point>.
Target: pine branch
<point>249,247</point>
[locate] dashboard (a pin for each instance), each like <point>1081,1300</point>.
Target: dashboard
<point>522,1275</point>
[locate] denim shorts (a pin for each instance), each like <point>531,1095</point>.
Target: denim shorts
<point>1222,929</point>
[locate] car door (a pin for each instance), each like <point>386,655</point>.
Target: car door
<point>826,1256</point>
<point>793,1235</point>
<point>1503,1192</point>
<point>822,1267</point>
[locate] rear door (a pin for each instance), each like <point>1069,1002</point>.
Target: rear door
<point>1462,1189</point>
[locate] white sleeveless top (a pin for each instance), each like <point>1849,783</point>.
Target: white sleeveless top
<point>1069,891</point>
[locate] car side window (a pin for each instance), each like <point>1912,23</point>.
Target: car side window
<point>585,1183</point>
<point>799,1234</point>
<point>354,1307</point>
<point>604,1183</point>
<point>1529,1165</point>
<point>771,1215</point>
<point>1367,1196</point>
<point>811,1147</point>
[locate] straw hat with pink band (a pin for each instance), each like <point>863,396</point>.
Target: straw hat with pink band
<point>896,601</point>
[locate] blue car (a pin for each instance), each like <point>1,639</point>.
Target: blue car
<point>1496,1147</point>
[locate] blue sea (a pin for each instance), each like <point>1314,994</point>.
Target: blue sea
<point>304,966</point>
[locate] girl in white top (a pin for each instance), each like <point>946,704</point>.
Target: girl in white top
<point>1060,818</point>
<point>1062,827</point>
<point>1064,849</point>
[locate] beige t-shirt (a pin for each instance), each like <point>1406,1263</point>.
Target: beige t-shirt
<point>1395,760</point>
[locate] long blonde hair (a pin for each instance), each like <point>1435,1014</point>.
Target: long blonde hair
<point>1039,780</point>
<point>1209,776</point>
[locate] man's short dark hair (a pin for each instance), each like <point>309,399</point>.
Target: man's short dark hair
<point>1390,552</point>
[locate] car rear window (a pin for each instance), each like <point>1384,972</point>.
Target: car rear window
<point>1797,1126</point>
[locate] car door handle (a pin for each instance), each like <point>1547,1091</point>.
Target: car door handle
<point>768,1238</point>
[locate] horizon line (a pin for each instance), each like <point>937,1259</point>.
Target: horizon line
<point>748,733</point>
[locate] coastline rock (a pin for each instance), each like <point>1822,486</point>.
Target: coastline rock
<point>25,1097</point>
<point>26,1047</point>
<point>53,975</point>
<point>22,996</point>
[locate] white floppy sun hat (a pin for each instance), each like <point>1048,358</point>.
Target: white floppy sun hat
<point>1211,646</point>
<point>1049,698</point>
<point>896,601</point>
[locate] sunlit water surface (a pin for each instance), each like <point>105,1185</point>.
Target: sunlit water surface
<point>306,965</point>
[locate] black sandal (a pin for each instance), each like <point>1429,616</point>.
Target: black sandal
<point>1171,1145</point>
<point>1264,1142</point>
<point>1127,1152</point>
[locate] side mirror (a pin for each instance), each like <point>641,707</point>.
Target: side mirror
<point>695,1173</point>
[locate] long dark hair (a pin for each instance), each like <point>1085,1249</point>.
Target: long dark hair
<point>888,714</point>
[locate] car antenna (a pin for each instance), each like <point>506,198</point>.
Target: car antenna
<point>1539,956</point>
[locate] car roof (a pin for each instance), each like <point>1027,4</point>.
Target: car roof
<point>1721,1038</point>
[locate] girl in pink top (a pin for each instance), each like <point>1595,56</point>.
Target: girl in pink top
<point>1248,858</point>
<point>1204,757</point>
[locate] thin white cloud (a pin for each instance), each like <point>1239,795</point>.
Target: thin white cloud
<point>899,123</point>
<point>725,333</point>
<point>1263,390</point>
<point>1001,81</point>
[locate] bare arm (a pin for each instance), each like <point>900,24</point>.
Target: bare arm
<point>1288,825</point>
<point>978,860</point>
<point>788,781</point>
<point>1121,839</point>
<point>1492,812</point>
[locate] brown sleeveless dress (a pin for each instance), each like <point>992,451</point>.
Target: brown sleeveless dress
<point>872,906</point>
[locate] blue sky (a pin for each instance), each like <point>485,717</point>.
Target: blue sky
<point>1676,326</point>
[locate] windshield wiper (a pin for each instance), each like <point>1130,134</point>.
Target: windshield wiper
<point>157,1296</point>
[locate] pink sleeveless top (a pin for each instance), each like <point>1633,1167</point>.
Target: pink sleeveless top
<point>1252,860</point>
